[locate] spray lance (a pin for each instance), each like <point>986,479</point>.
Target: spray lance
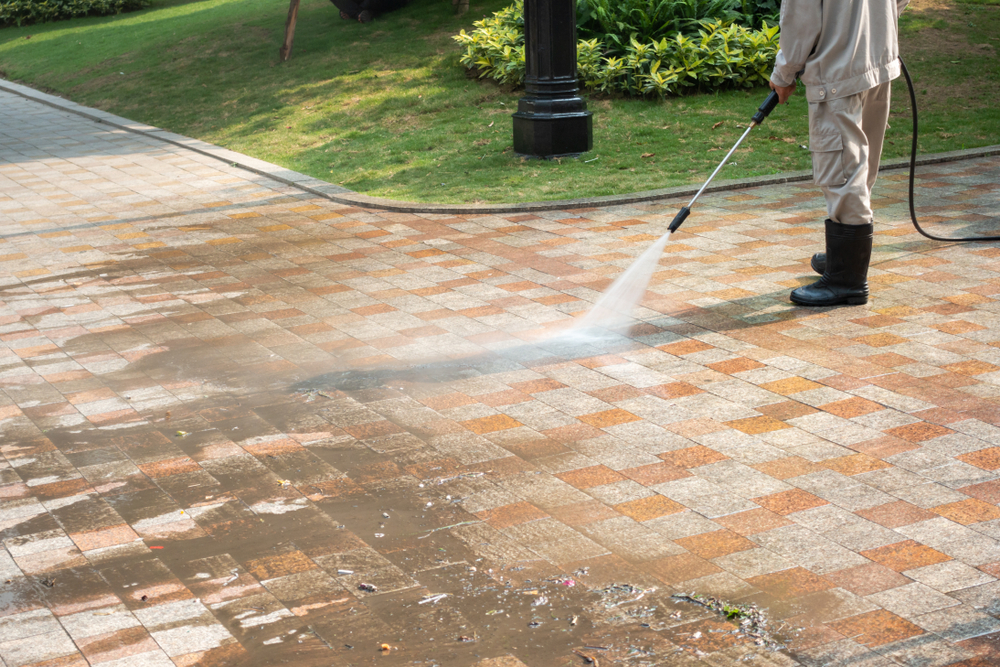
<point>768,106</point>
<point>762,112</point>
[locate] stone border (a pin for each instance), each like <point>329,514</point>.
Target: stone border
<point>348,197</point>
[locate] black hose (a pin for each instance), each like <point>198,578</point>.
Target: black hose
<point>913,169</point>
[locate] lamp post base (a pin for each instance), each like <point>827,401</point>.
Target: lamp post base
<point>553,135</point>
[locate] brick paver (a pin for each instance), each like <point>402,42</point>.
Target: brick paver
<point>245,425</point>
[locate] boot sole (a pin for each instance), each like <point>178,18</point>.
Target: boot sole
<point>849,301</point>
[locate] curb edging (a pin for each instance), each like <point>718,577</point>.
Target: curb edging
<point>347,197</point>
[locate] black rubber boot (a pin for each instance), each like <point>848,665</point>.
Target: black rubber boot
<point>818,262</point>
<point>845,278</point>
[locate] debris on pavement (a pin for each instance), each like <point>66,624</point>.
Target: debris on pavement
<point>619,594</point>
<point>752,621</point>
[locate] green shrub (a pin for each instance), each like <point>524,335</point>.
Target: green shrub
<point>757,12</point>
<point>619,21</point>
<point>23,12</point>
<point>496,47</point>
<point>721,55</point>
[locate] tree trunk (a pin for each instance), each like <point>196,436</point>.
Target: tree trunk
<point>285,52</point>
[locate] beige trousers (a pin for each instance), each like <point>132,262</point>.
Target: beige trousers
<point>845,137</point>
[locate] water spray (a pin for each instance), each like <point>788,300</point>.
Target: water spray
<point>614,309</point>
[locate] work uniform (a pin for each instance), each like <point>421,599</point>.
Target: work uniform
<point>846,52</point>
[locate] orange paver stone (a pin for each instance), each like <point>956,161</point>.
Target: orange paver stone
<point>876,628</point>
<point>279,565</point>
<point>752,522</point>
<point>919,431</point>
<point>867,579</point>
<point>692,457</point>
<point>852,407</point>
<point>685,347</point>
<point>788,502</point>
<point>790,466</point>
<point>786,410</point>
<point>854,464</point>
<point>169,467</point>
<point>655,473</point>
<point>969,511</point>
<point>971,368</point>
<point>715,544</point>
<point>905,555</point>
<point>733,366</point>
<point>987,459</point>
<point>650,507</point>
<point>608,418</point>
<point>896,514</point>
<point>790,584</point>
<point>790,386</point>
<point>881,340</point>
<point>757,425</point>
<point>585,478</point>
<point>491,424</point>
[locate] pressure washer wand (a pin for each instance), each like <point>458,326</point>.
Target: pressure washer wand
<point>762,112</point>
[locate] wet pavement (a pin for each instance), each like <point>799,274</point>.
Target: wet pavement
<point>244,425</point>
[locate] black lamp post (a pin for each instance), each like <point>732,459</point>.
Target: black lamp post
<point>552,119</point>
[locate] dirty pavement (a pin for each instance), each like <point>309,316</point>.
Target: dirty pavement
<point>245,425</point>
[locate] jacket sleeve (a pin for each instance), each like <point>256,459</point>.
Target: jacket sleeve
<point>801,22</point>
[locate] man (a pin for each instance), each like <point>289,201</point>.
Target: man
<point>846,52</point>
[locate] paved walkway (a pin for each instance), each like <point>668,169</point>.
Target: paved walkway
<point>244,425</point>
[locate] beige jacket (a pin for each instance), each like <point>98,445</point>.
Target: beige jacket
<point>838,47</point>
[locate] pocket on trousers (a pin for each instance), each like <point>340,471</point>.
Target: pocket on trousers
<point>828,159</point>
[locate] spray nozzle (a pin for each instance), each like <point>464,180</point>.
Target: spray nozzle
<point>679,219</point>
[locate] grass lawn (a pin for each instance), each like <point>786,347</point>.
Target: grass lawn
<point>386,110</point>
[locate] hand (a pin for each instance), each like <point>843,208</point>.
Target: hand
<point>784,92</point>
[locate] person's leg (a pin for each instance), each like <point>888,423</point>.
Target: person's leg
<point>874,120</point>
<point>840,153</point>
<point>842,173</point>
